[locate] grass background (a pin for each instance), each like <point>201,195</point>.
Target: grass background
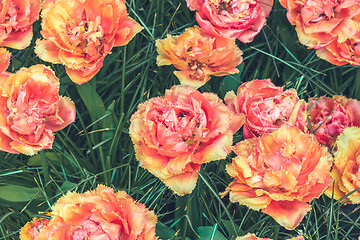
<point>97,148</point>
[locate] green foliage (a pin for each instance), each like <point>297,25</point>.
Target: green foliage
<point>97,149</point>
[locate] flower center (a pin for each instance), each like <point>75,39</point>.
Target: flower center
<point>90,229</point>
<point>315,11</point>
<point>87,35</point>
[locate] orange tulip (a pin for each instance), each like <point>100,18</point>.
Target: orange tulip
<point>174,134</point>
<point>346,169</point>
<point>16,19</point>
<point>329,116</point>
<point>198,56</point>
<point>342,53</point>
<point>81,33</point>
<point>98,214</point>
<point>320,22</point>
<point>31,229</point>
<point>31,110</point>
<point>279,173</point>
<point>250,236</point>
<point>241,19</point>
<point>266,107</point>
<point>5,56</point>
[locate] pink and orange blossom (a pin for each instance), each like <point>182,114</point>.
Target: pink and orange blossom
<point>330,26</point>
<point>81,33</point>
<point>31,229</point>
<point>16,20</point>
<point>198,56</point>
<point>266,107</point>
<point>278,173</point>
<point>98,214</point>
<point>329,116</point>
<point>5,56</point>
<point>241,19</point>
<point>346,168</point>
<point>31,110</point>
<point>174,134</point>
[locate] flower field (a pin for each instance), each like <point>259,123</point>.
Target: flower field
<point>187,119</point>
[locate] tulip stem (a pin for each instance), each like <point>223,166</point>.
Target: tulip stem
<point>221,203</point>
<point>122,97</point>
<point>183,216</point>
<point>276,231</point>
<point>45,170</point>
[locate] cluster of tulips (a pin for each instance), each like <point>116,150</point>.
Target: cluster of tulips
<point>293,151</point>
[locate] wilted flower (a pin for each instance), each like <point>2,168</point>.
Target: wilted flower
<point>31,229</point>
<point>31,110</point>
<point>279,173</point>
<point>250,236</point>
<point>80,33</point>
<point>99,214</point>
<point>266,107</point>
<point>319,22</point>
<point>329,116</point>
<point>173,135</point>
<point>241,19</point>
<point>16,20</point>
<point>346,168</point>
<point>198,56</point>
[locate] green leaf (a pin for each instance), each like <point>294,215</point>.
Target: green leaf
<point>92,100</point>
<point>231,82</point>
<point>16,193</point>
<point>207,233</point>
<point>66,186</point>
<point>229,227</point>
<point>164,232</point>
<point>35,161</point>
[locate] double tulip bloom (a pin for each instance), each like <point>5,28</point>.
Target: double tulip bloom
<point>346,168</point>
<point>198,56</point>
<point>16,20</point>
<point>330,26</point>
<point>98,214</point>
<point>31,110</point>
<point>81,33</point>
<point>278,173</point>
<point>174,134</point>
<point>234,19</point>
<point>329,116</point>
<point>266,107</point>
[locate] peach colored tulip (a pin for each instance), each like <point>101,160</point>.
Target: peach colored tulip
<point>174,134</point>
<point>278,173</point>
<point>250,236</point>
<point>329,116</point>
<point>16,20</point>
<point>266,107</point>
<point>198,56</point>
<point>346,169</point>
<point>5,56</point>
<point>241,19</point>
<point>31,110</point>
<point>320,22</point>
<point>342,53</point>
<point>98,214</point>
<point>31,229</point>
<point>81,33</point>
